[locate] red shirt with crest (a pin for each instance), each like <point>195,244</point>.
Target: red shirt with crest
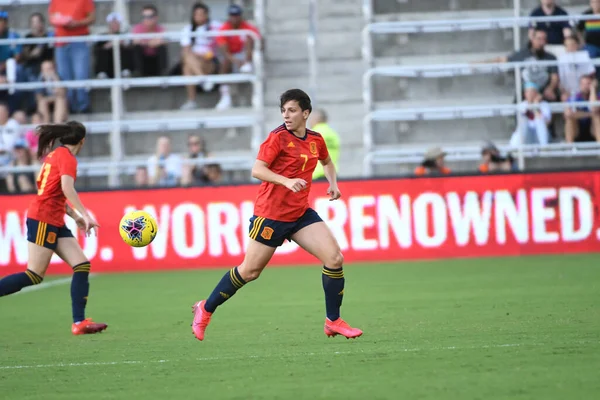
<point>50,202</point>
<point>293,157</point>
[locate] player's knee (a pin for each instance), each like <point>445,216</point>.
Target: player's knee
<point>336,260</point>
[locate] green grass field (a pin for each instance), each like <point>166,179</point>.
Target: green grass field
<point>506,328</point>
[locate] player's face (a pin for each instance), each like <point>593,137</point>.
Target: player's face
<point>293,116</point>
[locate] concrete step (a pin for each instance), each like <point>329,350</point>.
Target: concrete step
<point>421,89</point>
<point>281,11</point>
<point>331,45</point>
<point>330,89</point>
<point>343,23</point>
<point>442,132</point>
<point>429,59</point>
<point>169,98</point>
<point>442,43</point>
<point>326,68</point>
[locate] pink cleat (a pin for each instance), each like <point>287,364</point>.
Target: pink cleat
<point>340,327</point>
<point>201,319</point>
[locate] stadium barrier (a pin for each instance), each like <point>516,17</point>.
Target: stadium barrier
<point>376,220</point>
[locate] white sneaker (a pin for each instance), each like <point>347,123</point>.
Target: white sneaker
<point>208,86</point>
<point>189,105</point>
<point>224,103</point>
<point>246,68</point>
<point>102,75</point>
<point>126,73</point>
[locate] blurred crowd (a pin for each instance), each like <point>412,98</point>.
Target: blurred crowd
<point>66,61</point>
<point>574,43</point>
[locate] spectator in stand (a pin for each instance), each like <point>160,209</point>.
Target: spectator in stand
<point>103,51</point>
<point>31,136</point>
<point>141,177</point>
<point>590,29</point>
<point>198,53</point>
<point>34,54</point>
<point>581,123</point>
<point>13,53</point>
<point>21,182</point>
<point>150,55</point>
<point>433,163</point>
<point>332,139</point>
<point>579,65</point>
<point>493,161</point>
<point>192,173</point>
<point>51,100</point>
<point>214,174</point>
<point>545,78</point>
<point>20,116</point>
<point>164,168</point>
<point>556,31</point>
<point>236,51</point>
<point>73,18</point>
<point>9,134</point>
<point>533,127</point>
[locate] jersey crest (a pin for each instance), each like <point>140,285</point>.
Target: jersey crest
<point>267,233</point>
<point>313,148</point>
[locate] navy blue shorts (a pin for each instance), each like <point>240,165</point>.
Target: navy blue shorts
<point>44,234</point>
<point>274,233</point>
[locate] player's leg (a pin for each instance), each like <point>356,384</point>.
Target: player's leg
<point>314,236</point>
<point>69,250</point>
<point>37,263</point>
<point>39,254</point>
<point>256,259</point>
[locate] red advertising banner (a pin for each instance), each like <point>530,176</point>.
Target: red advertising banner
<point>376,220</point>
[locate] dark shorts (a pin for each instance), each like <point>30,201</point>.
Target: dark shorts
<point>44,234</point>
<point>274,233</point>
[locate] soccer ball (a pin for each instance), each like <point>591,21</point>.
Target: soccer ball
<point>138,228</point>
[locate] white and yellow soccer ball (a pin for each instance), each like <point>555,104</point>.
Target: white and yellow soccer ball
<point>138,228</point>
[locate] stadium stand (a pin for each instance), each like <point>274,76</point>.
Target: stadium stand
<point>344,57</point>
<point>462,136</point>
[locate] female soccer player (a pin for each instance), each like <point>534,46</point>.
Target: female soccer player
<point>285,164</point>
<point>46,230</point>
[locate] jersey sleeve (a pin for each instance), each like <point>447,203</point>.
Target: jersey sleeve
<point>270,149</point>
<point>222,40</point>
<point>67,165</point>
<point>89,7</point>
<point>323,151</point>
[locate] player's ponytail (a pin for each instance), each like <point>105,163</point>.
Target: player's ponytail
<point>70,133</point>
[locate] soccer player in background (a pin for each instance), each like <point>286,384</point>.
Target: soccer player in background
<point>46,230</point>
<point>321,125</point>
<point>285,164</point>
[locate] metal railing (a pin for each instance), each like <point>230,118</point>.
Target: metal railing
<point>100,168</point>
<point>435,71</point>
<point>118,84</point>
<point>473,153</point>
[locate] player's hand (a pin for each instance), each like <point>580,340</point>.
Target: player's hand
<point>296,185</point>
<point>90,225</point>
<point>334,193</point>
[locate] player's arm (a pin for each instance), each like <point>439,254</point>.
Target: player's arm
<point>331,176</point>
<point>261,171</point>
<point>87,223</point>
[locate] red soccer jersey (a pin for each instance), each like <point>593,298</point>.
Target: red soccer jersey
<point>49,204</point>
<point>293,157</point>
<point>235,44</point>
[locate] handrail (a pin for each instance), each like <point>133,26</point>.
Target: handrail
<point>102,166</point>
<point>118,84</point>
<point>452,25</point>
<point>473,153</point>
<point>446,70</point>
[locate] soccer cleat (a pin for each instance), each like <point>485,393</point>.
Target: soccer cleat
<point>201,319</point>
<point>87,326</point>
<point>340,327</point>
